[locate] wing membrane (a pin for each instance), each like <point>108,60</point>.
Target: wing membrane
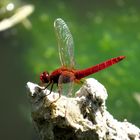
<point>65,43</point>
<point>65,89</point>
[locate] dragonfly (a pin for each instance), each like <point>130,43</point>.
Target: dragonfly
<point>67,74</point>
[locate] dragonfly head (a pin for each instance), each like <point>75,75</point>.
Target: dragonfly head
<point>44,77</point>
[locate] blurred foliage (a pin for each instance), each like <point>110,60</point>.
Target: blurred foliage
<point>101,30</point>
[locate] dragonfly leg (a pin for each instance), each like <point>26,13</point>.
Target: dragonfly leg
<point>59,91</point>
<point>50,83</point>
<point>50,88</point>
<point>57,98</point>
<point>59,85</point>
<point>47,85</point>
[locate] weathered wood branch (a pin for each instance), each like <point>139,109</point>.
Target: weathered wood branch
<point>84,117</point>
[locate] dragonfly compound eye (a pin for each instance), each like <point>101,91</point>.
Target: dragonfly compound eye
<point>44,77</point>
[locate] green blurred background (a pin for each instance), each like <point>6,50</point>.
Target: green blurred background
<point>101,30</point>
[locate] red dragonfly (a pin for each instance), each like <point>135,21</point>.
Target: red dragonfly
<point>66,73</point>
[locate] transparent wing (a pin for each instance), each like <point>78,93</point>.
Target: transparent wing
<point>65,89</point>
<point>65,43</point>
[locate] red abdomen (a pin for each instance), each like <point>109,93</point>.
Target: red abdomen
<point>83,73</point>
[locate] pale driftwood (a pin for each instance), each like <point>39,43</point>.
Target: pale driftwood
<point>81,118</point>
